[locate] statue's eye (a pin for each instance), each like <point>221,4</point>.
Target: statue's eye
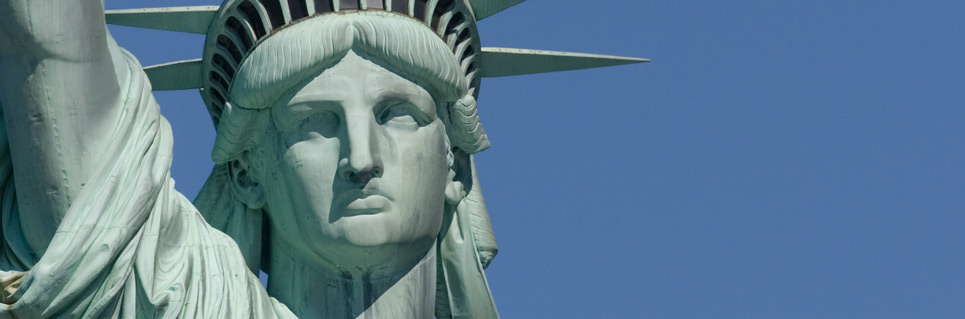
<point>322,123</point>
<point>399,114</point>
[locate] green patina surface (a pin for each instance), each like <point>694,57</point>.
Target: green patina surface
<point>345,133</point>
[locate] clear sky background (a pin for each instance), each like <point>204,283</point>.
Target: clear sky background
<point>777,159</point>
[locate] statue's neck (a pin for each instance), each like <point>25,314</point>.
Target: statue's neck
<point>314,293</point>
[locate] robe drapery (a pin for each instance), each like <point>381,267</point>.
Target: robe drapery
<point>129,245</point>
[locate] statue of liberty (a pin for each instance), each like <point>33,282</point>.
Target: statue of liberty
<point>343,161</point>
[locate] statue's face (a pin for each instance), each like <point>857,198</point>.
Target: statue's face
<point>355,167</point>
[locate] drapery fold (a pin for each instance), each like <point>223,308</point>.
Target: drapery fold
<point>130,246</point>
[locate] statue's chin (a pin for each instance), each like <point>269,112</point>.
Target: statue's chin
<point>364,244</point>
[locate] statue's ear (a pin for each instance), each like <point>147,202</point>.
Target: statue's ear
<point>246,189</point>
<point>460,176</point>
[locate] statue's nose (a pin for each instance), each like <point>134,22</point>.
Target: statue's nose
<point>361,160</point>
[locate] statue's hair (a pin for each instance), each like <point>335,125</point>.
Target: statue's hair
<point>298,53</point>
<point>306,48</point>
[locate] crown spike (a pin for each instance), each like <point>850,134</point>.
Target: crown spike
<point>180,75</point>
<point>485,8</point>
<point>182,19</point>
<point>498,62</point>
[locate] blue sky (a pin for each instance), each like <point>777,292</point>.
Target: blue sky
<point>777,159</point>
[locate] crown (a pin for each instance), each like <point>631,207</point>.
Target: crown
<point>237,27</point>
<point>240,25</point>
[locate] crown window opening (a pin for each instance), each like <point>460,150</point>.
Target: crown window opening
<point>239,31</point>
<point>420,9</point>
<point>374,4</point>
<point>298,9</point>
<point>465,55</point>
<point>214,117</point>
<point>323,6</point>
<point>442,7</point>
<point>459,49</point>
<point>463,36</point>
<point>273,8</point>
<point>400,6</point>
<point>220,62</point>
<point>456,20</point>
<point>229,46</point>
<point>251,13</point>
<point>348,5</point>
<point>219,80</point>
<point>467,59</point>
<point>217,96</point>
<point>220,72</point>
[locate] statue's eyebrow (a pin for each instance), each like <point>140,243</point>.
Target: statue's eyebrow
<point>424,102</point>
<point>301,106</point>
<point>327,97</point>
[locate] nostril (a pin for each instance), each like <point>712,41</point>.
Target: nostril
<point>377,172</point>
<point>346,174</point>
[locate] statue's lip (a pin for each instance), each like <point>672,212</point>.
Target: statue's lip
<point>356,193</point>
<point>363,201</point>
<point>372,204</point>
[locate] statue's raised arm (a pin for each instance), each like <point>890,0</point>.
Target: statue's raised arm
<point>61,99</point>
<point>92,226</point>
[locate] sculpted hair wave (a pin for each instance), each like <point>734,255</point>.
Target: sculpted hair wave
<point>302,50</point>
